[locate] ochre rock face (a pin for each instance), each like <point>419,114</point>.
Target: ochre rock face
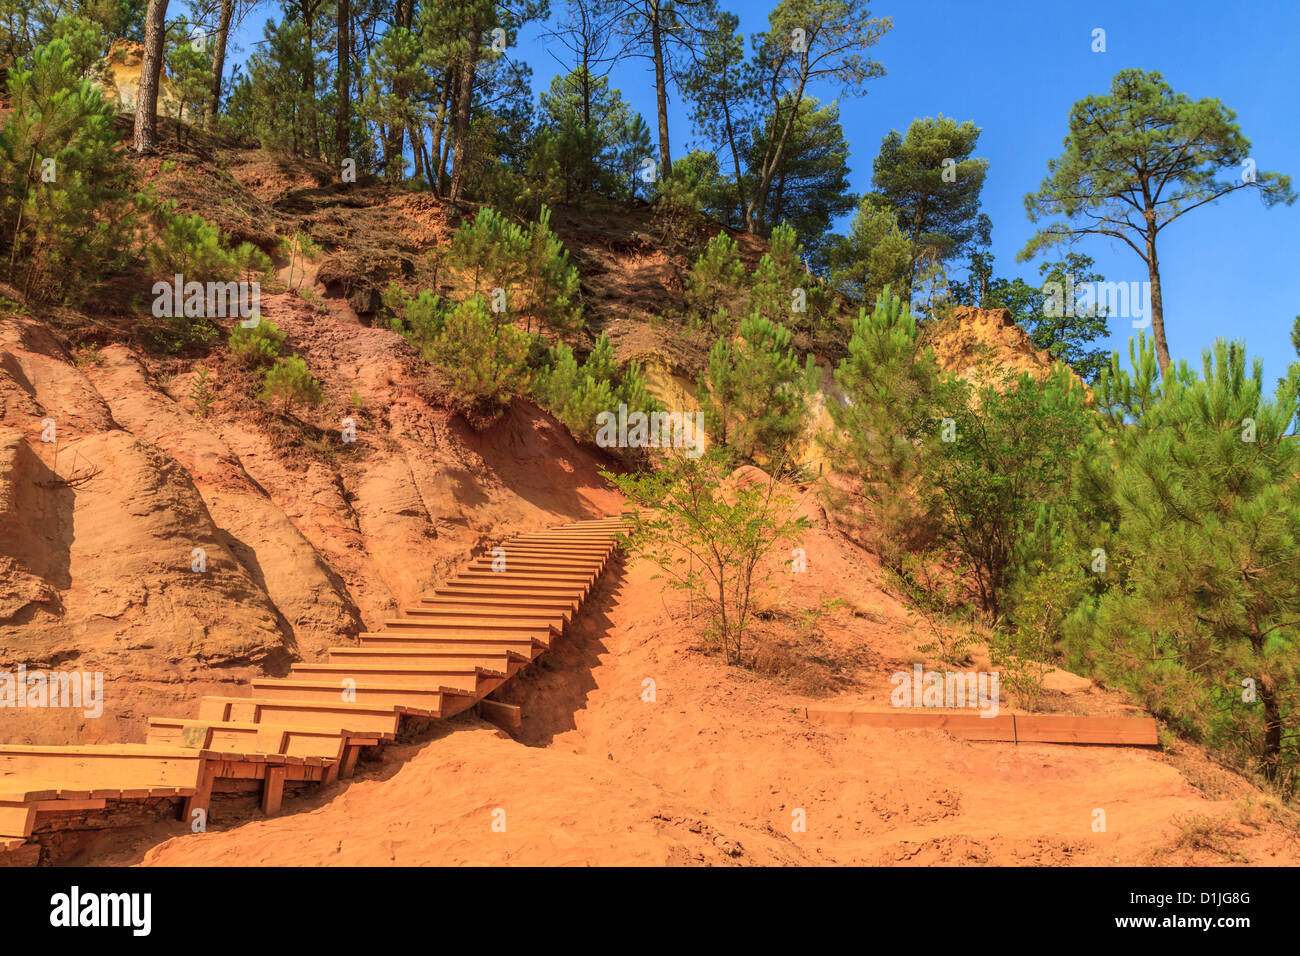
<point>119,78</point>
<point>980,345</point>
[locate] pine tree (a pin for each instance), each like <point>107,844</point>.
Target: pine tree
<point>888,383</point>
<point>755,393</point>
<point>66,195</point>
<point>715,282</point>
<point>1205,623</point>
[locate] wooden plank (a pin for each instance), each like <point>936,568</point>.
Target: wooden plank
<point>1059,729</point>
<point>17,819</point>
<point>506,716</point>
<point>968,726</point>
<point>273,791</point>
<point>1020,728</point>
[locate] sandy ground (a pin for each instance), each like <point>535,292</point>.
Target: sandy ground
<point>721,767</point>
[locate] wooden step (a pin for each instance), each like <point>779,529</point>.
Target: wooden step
<point>524,646</point>
<point>242,737</point>
<point>543,557</point>
<point>99,766</point>
<point>436,676</point>
<point>499,602</point>
<point>559,549</point>
<point>476,593</point>
<point>380,722</point>
<point>444,624</point>
<point>541,574</point>
<point>424,701</point>
<point>575,592</point>
<point>503,662</point>
<point>480,614</point>
<point>508,579</point>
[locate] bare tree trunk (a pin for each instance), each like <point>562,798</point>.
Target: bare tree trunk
<point>774,154</point>
<point>661,91</point>
<point>464,106</point>
<point>146,109</point>
<point>309,83</point>
<point>439,129</point>
<point>447,141</point>
<point>343,83</point>
<point>219,61</point>
<point>1157,308</point>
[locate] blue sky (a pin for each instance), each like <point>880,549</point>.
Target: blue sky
<point>1015,67</point>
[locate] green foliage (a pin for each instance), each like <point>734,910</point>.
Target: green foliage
<point>483,353</point>
<point>1201,613</point>
<point>190,246</point>
<point>201,393</point>
<point>190,72</point>
<point>530,266</point>
<point>710,536</point>
<point>1143,150</point>
<point>419,318</point>
<point>576,394</point>
<point>715,281</point>
<point>875,254</point>
<point>290,382</point>
<point>600,140</point>
<point>782,289</point>
<point>882,427</point>
<point>811,185</point>
<point>66,195</point>
<point>755,392</point>
<point>257,346</point>
<point>1003,454</point>
<point>929,178</point>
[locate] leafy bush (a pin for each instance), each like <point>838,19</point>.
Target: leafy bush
<point>419,318</point>
<point>256,346</point>
<point>66,194</point>
<point>1200,614</point>
<point>289,381</point>
<point>716,280</point>
<point>755,393</point>
<point>575,393</point>
<point>711,536</point>
<point>483,353</point>
<point>531,264</point>
<point>888,382</point>
<point>190,246</point>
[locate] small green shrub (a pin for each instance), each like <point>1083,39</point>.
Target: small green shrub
<point>484,354</point>
<point>256,346</point>
<point>290,382</point>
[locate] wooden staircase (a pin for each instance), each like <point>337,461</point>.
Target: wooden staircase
<point>440,658</point>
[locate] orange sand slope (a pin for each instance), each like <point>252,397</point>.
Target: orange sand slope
<point>443,656</point>
<point>708,765</point>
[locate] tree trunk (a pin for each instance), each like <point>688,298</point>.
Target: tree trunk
<point>146,108</point>
<point>1272,726</point>
<point>464,105</point>
<point>447,141</point>
<point>309,86</point>
<point>343,83</point>
<point>1157,308</point>
<point>774,155</point>
<point>661,91</point>
<point>219,61</point>
<point>439,130</point>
